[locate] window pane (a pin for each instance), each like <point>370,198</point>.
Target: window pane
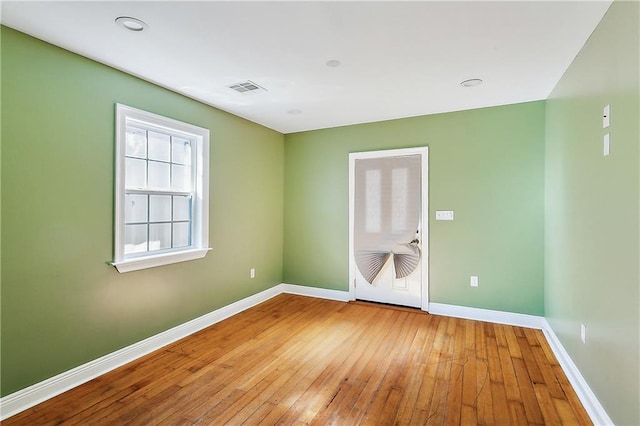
<point>181,178</point>
<point>159,147</point>
<point>136,142</point>
<point>159,236</point>
<point>181,234</point>
<point>181,151</point>
<point>159,208</point>
<point>161,170</point>
<point>181,208</point>
<point>159,175</point>
<point>399,197</point>
<point>136,173</point>
<point>135,208</point>
<point>373,200</point>
<point>135,238</point>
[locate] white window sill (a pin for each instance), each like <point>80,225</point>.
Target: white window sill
<point>136,264</point>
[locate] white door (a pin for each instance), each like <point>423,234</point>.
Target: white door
<point>388,226</point>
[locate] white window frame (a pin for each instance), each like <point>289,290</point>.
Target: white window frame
<point>200,210</point>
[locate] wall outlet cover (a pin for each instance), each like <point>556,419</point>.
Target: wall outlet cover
<point>473,281</point>
<point>444,215</point>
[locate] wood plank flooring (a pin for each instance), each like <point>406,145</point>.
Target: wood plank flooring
<point>295,360</point>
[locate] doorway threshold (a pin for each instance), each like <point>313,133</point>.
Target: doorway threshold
<point>387,306</point>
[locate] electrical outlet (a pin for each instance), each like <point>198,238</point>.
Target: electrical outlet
<point>583,333</point>
<point>473,281</point>
<point>252,272</point>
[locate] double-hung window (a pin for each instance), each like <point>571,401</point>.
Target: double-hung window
<point>162,199</point>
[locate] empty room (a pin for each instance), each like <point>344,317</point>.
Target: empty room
<point>328,213</point>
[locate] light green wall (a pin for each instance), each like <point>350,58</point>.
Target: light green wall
<point>0,202</point>
<point>592,228</point>
<point>487,165</point>
<point>62,305</point>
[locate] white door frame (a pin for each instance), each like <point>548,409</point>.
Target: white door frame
<point>424,152</point>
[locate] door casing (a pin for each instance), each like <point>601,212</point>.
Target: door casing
<point>424,153</point>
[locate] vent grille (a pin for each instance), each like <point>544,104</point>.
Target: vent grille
<point>246,87</point>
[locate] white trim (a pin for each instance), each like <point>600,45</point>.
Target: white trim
<point>200,223</point>
<point>321,293</point>
<point>589,400</point>
<point>42,391</point>
<point>498,317</point>
<point>137,263</point>
<point>423,151</point>
<point>26,398</point>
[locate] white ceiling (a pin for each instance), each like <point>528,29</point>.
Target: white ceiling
<point>398,59</point>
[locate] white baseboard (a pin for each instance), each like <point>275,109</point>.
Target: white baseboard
<point>589,400</point>
<point>322,293</point>
<point>39,392</point>
<point>498,317</point>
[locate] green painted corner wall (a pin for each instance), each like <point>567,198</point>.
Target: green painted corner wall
<point>62,305</point>
<point>592,215</point>
<point>487,165</point>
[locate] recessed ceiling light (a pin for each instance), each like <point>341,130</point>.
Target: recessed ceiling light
<point>294,112</point>
<point>333,63</point>
<point>132,24</point>
<point>471,82</point>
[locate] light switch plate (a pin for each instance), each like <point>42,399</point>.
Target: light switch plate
<point>606,115</point>
<point>444,215</point>
<point>606,145</point>
<point>473,281</point>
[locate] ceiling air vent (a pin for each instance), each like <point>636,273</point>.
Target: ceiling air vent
<point>247,87</point>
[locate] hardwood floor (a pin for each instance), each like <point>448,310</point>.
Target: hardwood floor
<point>299,360</point>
